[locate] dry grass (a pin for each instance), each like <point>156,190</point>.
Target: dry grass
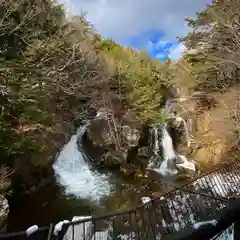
<point>235,113</point>
<point>217,130</point>
<point>226,115</point>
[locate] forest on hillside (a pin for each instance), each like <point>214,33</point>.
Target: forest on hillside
<point>56,69</point>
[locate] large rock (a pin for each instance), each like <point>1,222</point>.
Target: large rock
<point>114,139</point>
<point>115,158</point>
<point>145,152</point>
<point>130,136</point>
<point>99,131</point>
<point>4,209</point>
<point>185,166</point>
<point>131,130</point>
<point>182,130</point>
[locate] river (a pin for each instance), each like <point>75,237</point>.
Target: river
<point>51,204</point>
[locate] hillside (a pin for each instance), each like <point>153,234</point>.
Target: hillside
<point>57,70</point>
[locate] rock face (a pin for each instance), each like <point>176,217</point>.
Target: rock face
<point>99,133</point>
<point>145,152</point>
<point>185,166</point>
<point>120,141</point>
<point>200,134</point>
<point>115,158</point>
<point>115,137</point>
<point>4,209</point>
<point>130,136</point>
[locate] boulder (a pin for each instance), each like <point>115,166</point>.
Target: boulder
<point>144,152</point>
<point>99,131</point>
<point>115,158</point>
<point>130,136</point>
<point>4,209</point>
<point>115,149</point>
<point>131,130</point>
<point>182,130</point>
<point>185,166</point>
<point>177,125</point>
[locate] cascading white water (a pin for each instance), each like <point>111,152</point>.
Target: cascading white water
<point>169,165</point>
<point>73,172</point>
<point>167,144</point>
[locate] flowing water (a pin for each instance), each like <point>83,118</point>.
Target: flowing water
<point>77,188</point>
<point>168,166</point>
<point>171,161</point>
<point>74,173</point>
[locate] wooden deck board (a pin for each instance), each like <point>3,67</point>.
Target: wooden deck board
<point>103,235</point>
<point>79,231</point>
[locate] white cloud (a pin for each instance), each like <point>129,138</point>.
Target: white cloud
<point>176,51</point>
<point>126,20</point>
<point>161,44</point>
<point>160,55</point>
<point>149,46</point>
<point>123,19</point>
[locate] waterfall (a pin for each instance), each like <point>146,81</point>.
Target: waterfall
<point>74,173</point>
<point>167,145</point>
<point>171,161</point>
<point>168,165</point>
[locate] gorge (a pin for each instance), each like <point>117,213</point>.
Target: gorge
<point>83,184</point>
<point>88,126</point>
<point>74,170</point>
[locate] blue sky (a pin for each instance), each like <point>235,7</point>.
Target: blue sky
<point>152,42</point>
<point>150,25</point>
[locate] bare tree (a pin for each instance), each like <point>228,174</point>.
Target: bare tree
<point>5,174</point>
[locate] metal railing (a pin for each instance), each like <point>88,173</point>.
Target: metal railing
<point>161,217</point>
